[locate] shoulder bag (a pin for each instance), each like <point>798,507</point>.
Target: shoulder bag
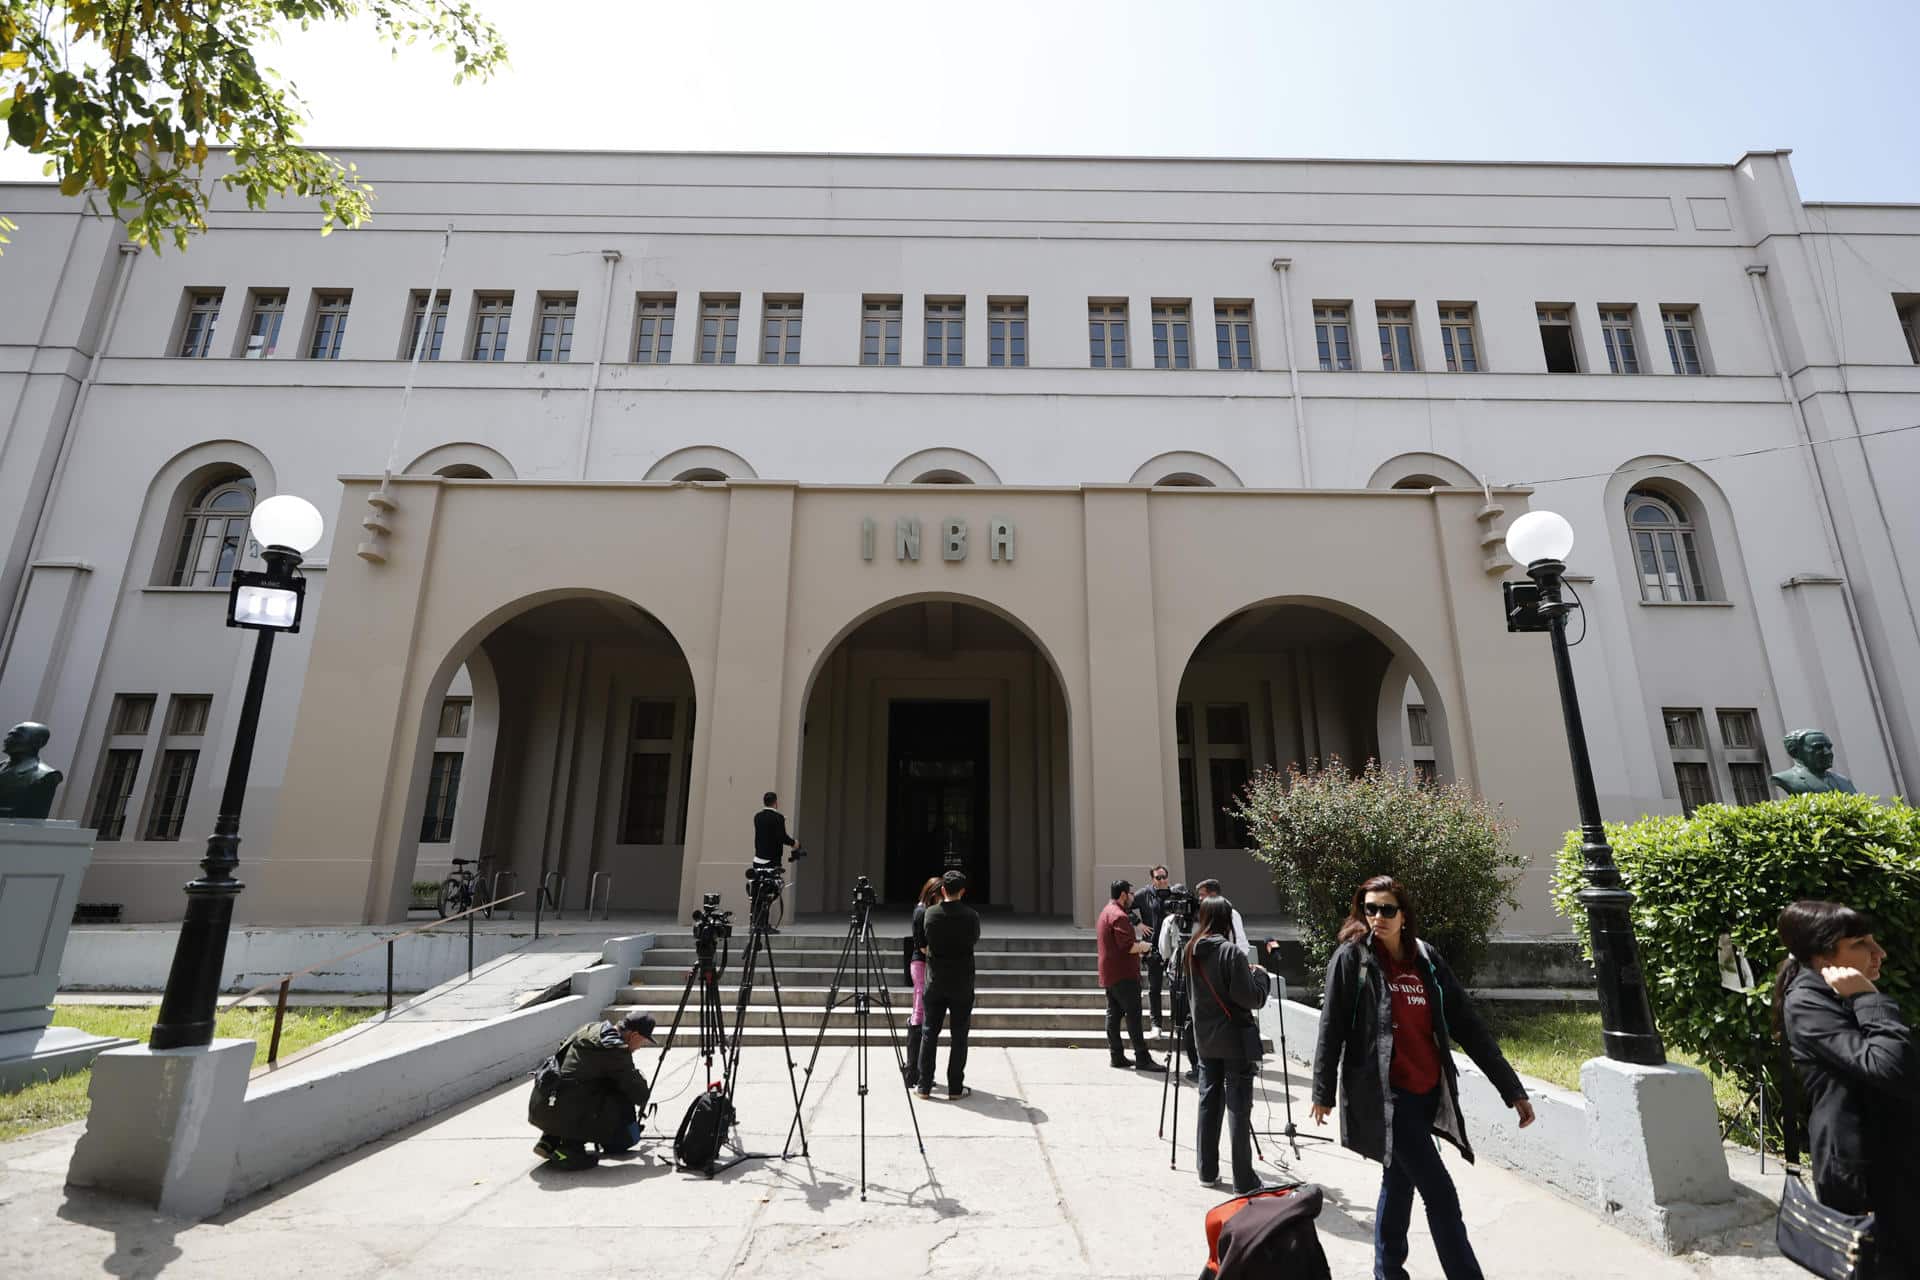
<point>1252,1047</point>
<point>1838,1246</point>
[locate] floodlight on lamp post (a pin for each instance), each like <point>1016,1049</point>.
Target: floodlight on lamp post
<point>1541,540</point>
<point>266,603</point>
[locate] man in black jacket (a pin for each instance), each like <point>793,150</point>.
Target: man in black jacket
<point>1152,911</point>
<point>953,930</point>
<point>769,838</point>
<point>590,1091</point>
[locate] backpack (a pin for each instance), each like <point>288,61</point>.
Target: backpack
<point>697,1145</point>
<point>1266,1234</point>
<point>546,1079</point>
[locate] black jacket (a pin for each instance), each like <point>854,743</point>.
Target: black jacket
<point>1222,976</point>
<point>953,930</point>
<point>1860,1069</point>
<point>597,1089</point>
<point>1355,1050</point>
<point>769,836</point>
<point>1147,905</point>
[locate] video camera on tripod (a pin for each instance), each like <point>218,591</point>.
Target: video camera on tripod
<point>711,926</point>
<point>1181,905</point>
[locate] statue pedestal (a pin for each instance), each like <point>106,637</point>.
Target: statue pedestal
<point>41,866</point>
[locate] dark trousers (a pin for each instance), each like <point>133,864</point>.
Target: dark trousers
<point>1416,1167</point>
<point>940,1003</point>
<point>1226,1089</point>
<point>1123,1001</point>
<point>1183,1023</point>
<point>1156,975</point>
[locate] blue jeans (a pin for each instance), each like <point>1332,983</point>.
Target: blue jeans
<point>1226,1089</point>
<point>1416,1167</point>
<point>625,1140</point>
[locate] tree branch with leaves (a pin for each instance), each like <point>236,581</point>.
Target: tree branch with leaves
<point>127,98</point>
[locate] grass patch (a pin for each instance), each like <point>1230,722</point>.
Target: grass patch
<point>1551,1046</point>
<point>57,1102</point>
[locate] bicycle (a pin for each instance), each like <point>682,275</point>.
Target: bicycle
<point>460,892</point>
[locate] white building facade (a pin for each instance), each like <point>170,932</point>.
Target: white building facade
<point>1002,513</point>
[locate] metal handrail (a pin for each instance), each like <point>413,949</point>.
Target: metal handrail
<point>555,893</point>
<point>285,984</point>
<point>511,877</point>
<point>593,892</point>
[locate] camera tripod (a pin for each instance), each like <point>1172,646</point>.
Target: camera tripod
<point>1291,1132</point>
<point>861,955</point>
<point>709,930</point>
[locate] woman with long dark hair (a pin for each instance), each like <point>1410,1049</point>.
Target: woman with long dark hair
<point>929,894</point>
<point>1223,991</point>
<point>1861,1073</point>
<point>1393,1012</point>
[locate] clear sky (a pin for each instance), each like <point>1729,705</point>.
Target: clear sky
<point>1621,80</point>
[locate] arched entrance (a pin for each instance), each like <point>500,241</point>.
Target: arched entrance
<point>560,740</point>
<point>936,736</point>
<point>1290,682</point>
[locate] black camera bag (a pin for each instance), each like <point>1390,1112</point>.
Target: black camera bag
<point>702,1130</point>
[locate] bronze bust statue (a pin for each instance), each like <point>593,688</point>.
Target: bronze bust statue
<point>1812,772</point>
<point>26,785</point>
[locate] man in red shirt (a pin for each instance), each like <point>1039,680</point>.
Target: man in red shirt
<point>1120,950</point>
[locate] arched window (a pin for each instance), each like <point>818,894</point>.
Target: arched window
<point>213,532</point>
<point>1420,482</point>
<point>942,476</point>
<point>1183,480</point>
<point>702,474</point>
<point>1664,548</point>
<point>463,471</point>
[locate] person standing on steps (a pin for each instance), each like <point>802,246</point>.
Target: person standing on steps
<point>953,931</point>
<point>1120,950</point>
<point>1391,1015</point>
<point>769,838</point>
<point>917,968</point>
<point>1152,911</point>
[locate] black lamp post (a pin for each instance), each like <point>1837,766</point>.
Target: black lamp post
<point>266,603</point>
<point>1541,540</point>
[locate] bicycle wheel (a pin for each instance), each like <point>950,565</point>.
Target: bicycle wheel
<point>777,911</point>
<point>451,894</point>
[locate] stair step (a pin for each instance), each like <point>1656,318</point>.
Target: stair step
<point>829,957</point>
<point>889,939</point>
<point>651,975</point>
<point>652,994</point>
<point>1095,1041</point>
<point>984,1018</point>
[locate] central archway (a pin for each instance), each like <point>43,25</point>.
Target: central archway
<point>936,736</point>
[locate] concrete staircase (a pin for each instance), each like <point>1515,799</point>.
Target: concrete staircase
<point>1031,990</point>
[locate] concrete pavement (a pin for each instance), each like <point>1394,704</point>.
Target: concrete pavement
<point>1051,1169</point>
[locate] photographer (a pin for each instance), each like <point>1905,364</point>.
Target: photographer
<point>1120,952</point>
<point>769,838</point>
<point>1150,906</point>
<point>952,930</point>
<point>1225,991</point>
<point>590,1091</point>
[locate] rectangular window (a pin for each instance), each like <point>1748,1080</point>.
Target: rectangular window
<point>1333,335</point>
<point>492,316</point>
<point>196,335</point>
<point>1233,334</point>
<point>557,312</point>
<point>171,791</point>
<point>434,324</point>
<point>1172,335</point>
<point>1227,725</point>
<point>263,323</point>
<point>880,330</point>
<point>1227,776</point>
<point>1749,782</point>
<point>653,330</point>
<point>329,325</point>
<point>1556,339</point>
<point>1684,732</point>
<point>645,819</point>
<point>719,327</point>
<point>1746,754</point>
<point>1419,728</point>
<point>1687,743</point>
<point>188,715</point>
<point>1426,772</point>
<point>1007,333</point>
<point>454,715</point>
<point>780,332</point>
<point>1681,324</point>
<point>1396,339</point>
<point>1457,338</point>
<point>1739,730</point>
<point>1616,327</point>
<point>1107,334</point>
<point>132,713</point>
<point>946,332</point>
<point>443,794</point>
<point>1696,785</point>
<point>109,817</point>
<point>1907,306</point>
<point>1189,800</point>
<point>652,719</point>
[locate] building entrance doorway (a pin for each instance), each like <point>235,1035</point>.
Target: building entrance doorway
<point>937,796</point>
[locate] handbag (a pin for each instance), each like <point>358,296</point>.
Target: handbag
<point>1252,1047</point>
<point>1838,1246</point>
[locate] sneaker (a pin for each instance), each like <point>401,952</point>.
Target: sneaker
<point>954,1095</point>
<point>1214,1181</point>
<point>545,1147</point>
<point>1122,1064</point>
<point>572,1156</point>
<point>1148,1064</point>
<point>925,1095</point>
<point>1191,1075</point>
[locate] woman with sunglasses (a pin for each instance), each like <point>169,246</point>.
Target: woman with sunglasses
<point>1392,1014</point>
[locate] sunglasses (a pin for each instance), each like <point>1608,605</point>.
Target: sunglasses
<point>1385,910</point>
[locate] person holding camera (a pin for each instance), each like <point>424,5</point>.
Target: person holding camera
<point>1860,1070</point>
<point>1120,947</point>
<point>1391,1015</point>
<point>589,1091</point>
<point>1225,991</point>
<point>770,836</point>
<point>953,931</point>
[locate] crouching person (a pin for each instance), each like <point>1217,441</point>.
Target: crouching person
<point>589,1091</point>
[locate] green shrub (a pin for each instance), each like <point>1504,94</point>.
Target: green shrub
<point>1323,832</point>
<point>1732,870</point>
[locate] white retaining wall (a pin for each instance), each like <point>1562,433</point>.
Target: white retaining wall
<point>121,959</point>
